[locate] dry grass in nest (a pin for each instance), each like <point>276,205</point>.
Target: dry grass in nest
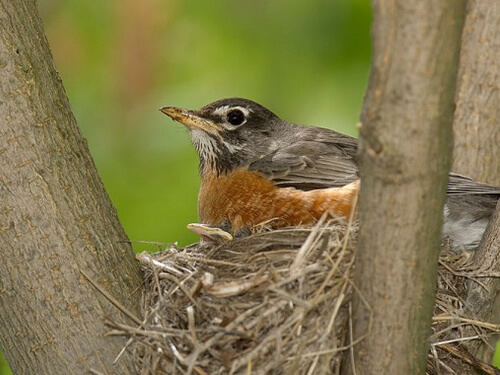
<point>274,302</point>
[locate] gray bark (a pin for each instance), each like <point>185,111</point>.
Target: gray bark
<point>476,129</point>
<point>483,297</point>
<point>56,220</point>
<point>405,145</point>
<point>476,124</point>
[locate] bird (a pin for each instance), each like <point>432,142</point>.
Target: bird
<point>258,168</point>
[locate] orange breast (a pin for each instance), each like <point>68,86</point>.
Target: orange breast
<point>247,199</point>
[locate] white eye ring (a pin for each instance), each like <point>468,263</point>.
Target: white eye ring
<point>236,117</point>
<point>225,113</point>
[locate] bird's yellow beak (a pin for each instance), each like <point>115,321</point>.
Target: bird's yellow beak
<point>191,120</point>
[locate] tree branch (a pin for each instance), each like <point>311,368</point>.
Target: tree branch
<point>477,136</point>
<point>483,298</point>
<point>476,123</point>
<point>405,144</point>
<point>56,220</point>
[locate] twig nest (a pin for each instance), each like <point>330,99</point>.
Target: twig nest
<point>273,302</point>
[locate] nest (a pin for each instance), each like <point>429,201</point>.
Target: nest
<point>274,302</point>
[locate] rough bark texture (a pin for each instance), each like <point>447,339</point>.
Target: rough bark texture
<point>405,142</point>
<point>477,153</point>
<point>476,124</point>
<point>56,220</point>
<point>483,299</point>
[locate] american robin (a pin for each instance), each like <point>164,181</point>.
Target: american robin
<point>256,167</point>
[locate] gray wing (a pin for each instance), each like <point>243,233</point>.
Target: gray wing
<point>315,159</point>
<point>461,185</point>
<point>467,211</point>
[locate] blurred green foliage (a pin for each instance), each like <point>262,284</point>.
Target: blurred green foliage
<point>120,61</point>
<point>496,356</point>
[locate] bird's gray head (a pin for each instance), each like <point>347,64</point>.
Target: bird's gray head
<point>229,133</point>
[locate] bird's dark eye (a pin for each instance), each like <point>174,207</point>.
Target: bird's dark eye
<point>235,117</point>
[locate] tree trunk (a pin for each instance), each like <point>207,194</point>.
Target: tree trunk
<point>405,145</point>
<point>477,153</point>
<point>476,125</point>
<point>57,223</point>
<point>483,298</point>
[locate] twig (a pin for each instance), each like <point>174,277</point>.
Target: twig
<point>112,299</point>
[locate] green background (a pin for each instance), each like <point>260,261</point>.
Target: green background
<point>121,61</point>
